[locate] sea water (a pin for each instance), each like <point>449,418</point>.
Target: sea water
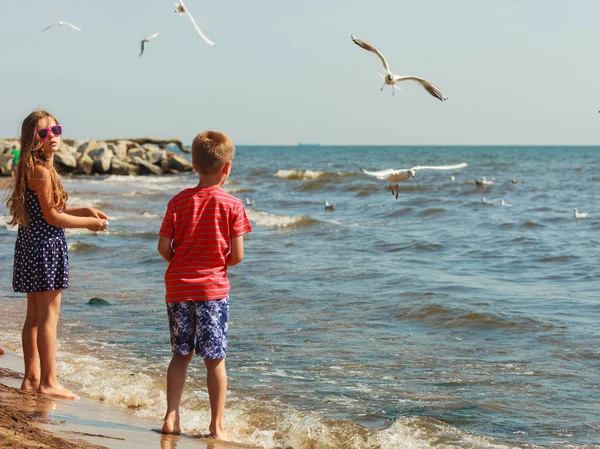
<point>436,319</point>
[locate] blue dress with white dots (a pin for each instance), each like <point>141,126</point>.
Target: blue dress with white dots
<point>41,254</point>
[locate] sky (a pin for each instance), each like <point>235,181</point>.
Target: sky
<point>517,72</point>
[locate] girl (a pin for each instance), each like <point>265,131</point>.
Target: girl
<point>41,264</point>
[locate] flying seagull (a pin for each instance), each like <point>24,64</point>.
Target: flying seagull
<point>61,23</point>
<point>402,174</point>
<point>147,39</point>
<point>181,9</point>
<point>391,79</point>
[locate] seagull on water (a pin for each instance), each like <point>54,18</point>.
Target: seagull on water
<point>147,39</point>
<point>578,214</point>
<point>484,182</point>
<point>402,174</point>
<point>249,202</point>
<point>61,23</point>
<point>390,79</point>
<point>484,201</point>
<point>181,9</point>
<point>505,204</point>
<point>329,206</point>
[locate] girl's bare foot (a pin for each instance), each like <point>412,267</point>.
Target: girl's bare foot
<point>32,385</point>
<point>218,433</point>
<point>57,390</point>
<point>171,424</point>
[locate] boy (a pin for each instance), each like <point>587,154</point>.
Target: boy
<point>201,235</point>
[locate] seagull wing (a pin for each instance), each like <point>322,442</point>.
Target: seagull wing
<point>50,26</point>
<point>72,26</point>
<point>364,45</point>
<point>434,91</point>
<point>390,174</point>
<point>148,39</point>
<point>207,40</point>
<point>439,167</point>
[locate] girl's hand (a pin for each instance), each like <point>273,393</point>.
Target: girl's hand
<point>97,214</point>
<point>98,224</point>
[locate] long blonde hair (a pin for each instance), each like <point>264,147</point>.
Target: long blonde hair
<point>32,155</point>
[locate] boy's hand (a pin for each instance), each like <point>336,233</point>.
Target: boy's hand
<point>165,248</point>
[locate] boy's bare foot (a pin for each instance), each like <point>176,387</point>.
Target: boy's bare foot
<point>171,424</point>
<point>58,391</point>
<point>30,385</point>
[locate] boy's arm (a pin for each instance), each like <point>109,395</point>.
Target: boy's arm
<point>165,249</point>
<point>236,254</point>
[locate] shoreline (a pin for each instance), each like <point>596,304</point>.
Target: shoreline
<point>32,420</point>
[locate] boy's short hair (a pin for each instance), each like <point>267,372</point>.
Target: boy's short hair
<point>211,150</point>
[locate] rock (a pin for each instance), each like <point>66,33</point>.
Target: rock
<point>6,146</point>
<point>75,144</point>
<point>178,163</point>
<point>136,152</point>
<point>130,145</point>
<point>85,163</point>
<point>86,145</point>
<point>119,167</point>
<point>146,168</point>
<point>156,156</point>
<point>98,302</point>
<point>162,143</point>
<point>150,147</point>
<point>166,170</point>
<point>102,157</point>
<point>64,159</point>
<point>120,150</point>
<point>6,164</point>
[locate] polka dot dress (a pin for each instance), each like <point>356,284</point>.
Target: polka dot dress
<point>41,255</point>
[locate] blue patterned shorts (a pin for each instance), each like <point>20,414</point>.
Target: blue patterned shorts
<point>201,325</point>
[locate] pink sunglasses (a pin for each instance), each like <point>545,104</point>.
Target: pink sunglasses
<point>56,130</point>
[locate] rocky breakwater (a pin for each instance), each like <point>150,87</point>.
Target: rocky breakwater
<point>141,156</point>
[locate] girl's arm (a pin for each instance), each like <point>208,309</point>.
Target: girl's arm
<point>85,212</point>
<point>165,249</point>
<point>43,187</point>
<point>236,255</point>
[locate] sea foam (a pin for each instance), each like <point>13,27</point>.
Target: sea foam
<point>267,220</point>
<point>4,219</point>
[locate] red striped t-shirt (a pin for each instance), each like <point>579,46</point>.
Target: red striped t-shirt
<point>201,222</point>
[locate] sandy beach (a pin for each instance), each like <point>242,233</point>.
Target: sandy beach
<point>30,420</point>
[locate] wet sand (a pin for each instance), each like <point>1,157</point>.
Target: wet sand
<point>29,420</point>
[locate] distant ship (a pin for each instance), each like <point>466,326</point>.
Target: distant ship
<point>300,144</point>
